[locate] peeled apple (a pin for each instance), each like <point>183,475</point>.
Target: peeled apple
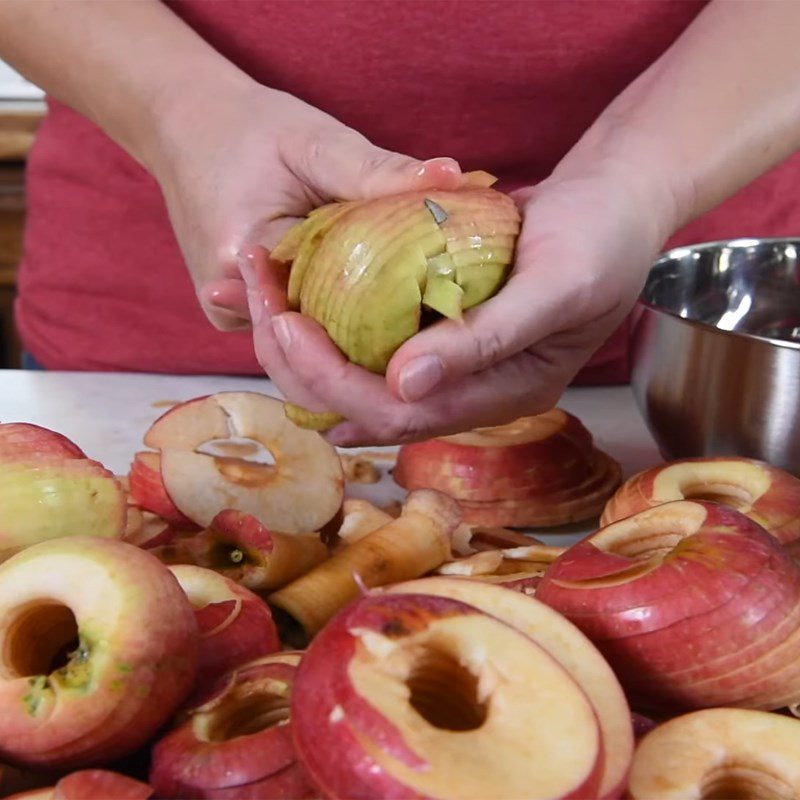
<point>366,270</point>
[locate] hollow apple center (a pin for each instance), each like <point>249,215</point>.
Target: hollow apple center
<point>744,782</point>
<point>246,712</point>
<point>726,494</point>
<point>641,544</point>
<point>444,692</point>
<point>243,461</point>
<point>40,639</point>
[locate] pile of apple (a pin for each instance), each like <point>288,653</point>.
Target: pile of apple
<point>224,623</point>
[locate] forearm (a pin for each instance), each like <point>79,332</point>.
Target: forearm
<point>719,108</point>
<point>131,66</point>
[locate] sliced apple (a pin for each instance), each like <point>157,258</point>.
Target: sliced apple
<point>766,494</point>
<point>721,753</point>
<point>300,493</point>
<point>415,695</point>
<point>147,489</point>
<point>567,645</point>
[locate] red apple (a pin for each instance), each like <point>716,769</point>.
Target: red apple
<point>416,695</point>
<point>235,625</point>
<point>766,494</point>
<point>565,643</point>
<point>537,471</point>
<point>98,646</point>
<point>100,784</point>
<point>237,743</point>
<point>148,490</point>
<point>149,531</point>
<point>719,753</point>
<point>48,489</point>
<point>693,604</point>
<point>299,493</point>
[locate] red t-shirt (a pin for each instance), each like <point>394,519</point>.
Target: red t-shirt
<point>504,86</point>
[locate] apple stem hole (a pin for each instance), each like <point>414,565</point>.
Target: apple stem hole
<point>445,693</point>
<point>40,640</point>
<point>736,497</point>
<point>247,713</point>
<point>733,781</point>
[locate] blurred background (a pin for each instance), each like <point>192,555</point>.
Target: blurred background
<point>21,110</point>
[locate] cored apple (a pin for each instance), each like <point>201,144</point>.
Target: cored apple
<point>237,743</point>
<point>91,784</point>
<point>693,604</point>
<point>764,493</point>
<point>148,491</point>
<point>720,753</point>
<point>299,493</point>
<point>235,625</point>
<point>98,646</point>
<point>568,646</point>
<point>538,471</point>
<point>48,489</point>
<point>416,695</point>
<point>148,531</point>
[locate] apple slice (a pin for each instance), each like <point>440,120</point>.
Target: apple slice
<point>414,695</point>
<point>719,753</point>
<point>235,625</point>
<point>148,491</point>
<point>98,646</point>
<point>49,489</point>
<point>537,471</point>
<point>764,493</point>
<point>237,743</point>
<point>565,643</point>
<point>300,493</point>
<point>693,604</point>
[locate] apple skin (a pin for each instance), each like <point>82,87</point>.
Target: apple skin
<point>135,664</point>
<point>148,490</point>
<point>195,761</point>
<point>345,742</point>
<point>100,784</point>
<point>774,495</point>
<point>49,489</point>
<point>235,625</point>
<point>711,618</point>
<point>550,476</point>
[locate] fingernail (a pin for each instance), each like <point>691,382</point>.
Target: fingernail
<point>283,333</point>
<point>419,376</point>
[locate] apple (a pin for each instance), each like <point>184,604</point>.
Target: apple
<point>90,784</point>
<point>538,471</point>
<point>148,531</point>
<point>148,491</point>
<point>416,695</point>
<point>719,753</point>
<point>98,647</point>
<point>524,581</point>
<point>360,518</point>
<point>764,493</point>
<point>299,493</point>
<point>360,468</point>
<point>237,742</point>
<point>692,603</point>
<point>564,643</point>
<point>408,547</point>
<point>49,488</point>
<point>235,625</point>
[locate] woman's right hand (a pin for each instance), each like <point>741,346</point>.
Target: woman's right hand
<point>238,172</point>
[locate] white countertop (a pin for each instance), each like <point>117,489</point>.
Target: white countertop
<point>106,414</point>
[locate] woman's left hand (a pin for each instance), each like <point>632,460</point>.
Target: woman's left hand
<point>582,256</point>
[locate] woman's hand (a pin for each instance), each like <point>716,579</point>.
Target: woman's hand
<point>584,250</point>
<point>247,171</point>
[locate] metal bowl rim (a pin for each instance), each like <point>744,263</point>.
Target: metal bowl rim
<point>720,243</point>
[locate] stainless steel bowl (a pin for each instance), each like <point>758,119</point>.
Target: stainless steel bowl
<point>716,354</point>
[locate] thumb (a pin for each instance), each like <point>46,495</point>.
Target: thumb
<point>343,165</point>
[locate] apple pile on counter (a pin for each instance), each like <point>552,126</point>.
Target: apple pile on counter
<point>223,623</point>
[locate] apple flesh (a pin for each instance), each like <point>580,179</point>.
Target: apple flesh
<point>148,491</point>
<point>415,695</point>
<point>719,753</point>
<point>49,489</point>
<point>98,646</point>
<point>237,742</point>
<point>692,603</point>
<point>766,494</point>
<point>569,647</point>
<point>235,625</point>
<point>299,493</point>
<point>538,471</point>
